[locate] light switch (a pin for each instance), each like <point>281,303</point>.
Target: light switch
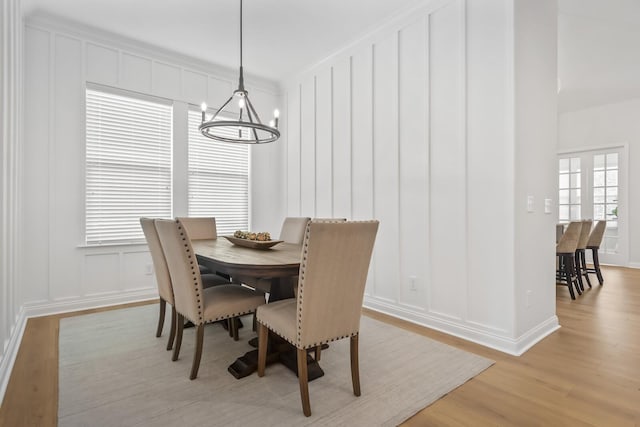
<point>547,206</point>
<point>530,202</point>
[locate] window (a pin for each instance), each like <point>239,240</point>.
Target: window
<point>128,164</point>
<point>569,189</point>
<point>605,187</point>
<point>593,184</point>
<point>605,197</point>
<point>218,179</point>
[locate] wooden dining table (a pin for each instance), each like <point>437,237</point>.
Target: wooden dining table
<point>277,268</point>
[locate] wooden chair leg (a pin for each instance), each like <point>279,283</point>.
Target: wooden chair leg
<point>303,378</point>
<point>578,270</point>
<point>355,367</point>
<point>583,261</point>
<point>255,322</point>
<point>198,353</point>
<point>234,328</point>
<point>567,274</point>
<point>318,352</point>
<point>178,343</point>
<point>172,332</point>
<point>263,335</point>
<point>230,326</point>
<point>596,265</point>
<point>574,276</point>
<point>163,307</point>
<point>560,268</point>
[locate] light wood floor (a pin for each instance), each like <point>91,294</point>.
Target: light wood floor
<point>587,373</point>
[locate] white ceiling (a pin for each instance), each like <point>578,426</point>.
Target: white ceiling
<point>598,52</point>
<point>598,46</point>
<point>280,36</point>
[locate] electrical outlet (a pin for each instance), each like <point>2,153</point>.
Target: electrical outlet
<point>547,206</point>
<point>528,298</point>
<point>148,269</point>
<point>412,281</point>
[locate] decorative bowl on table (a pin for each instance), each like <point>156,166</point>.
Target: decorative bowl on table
<point>252,240</point>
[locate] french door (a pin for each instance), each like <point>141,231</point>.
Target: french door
<point>592,184</point>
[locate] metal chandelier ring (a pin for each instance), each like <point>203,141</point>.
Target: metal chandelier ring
<point>207,126</point>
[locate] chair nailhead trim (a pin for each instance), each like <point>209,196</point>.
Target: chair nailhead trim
<point>223,317</point>
<point>303,266</point>
<point>297,344</point>
<point>187,250</point>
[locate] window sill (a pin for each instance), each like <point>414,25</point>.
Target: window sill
<point>109,245</point>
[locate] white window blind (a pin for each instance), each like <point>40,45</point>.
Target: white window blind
<point>128,165</point>
<point>218,179</point>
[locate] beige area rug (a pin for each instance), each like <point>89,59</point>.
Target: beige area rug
<point>115,372</point>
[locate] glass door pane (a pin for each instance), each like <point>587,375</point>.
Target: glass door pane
<point>592,184</point>
<point>605,198</point>
<point>569,189</point>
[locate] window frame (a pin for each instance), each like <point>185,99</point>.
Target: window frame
<point>569,174</point>
<point>142,97</point>
<point>196,111</point>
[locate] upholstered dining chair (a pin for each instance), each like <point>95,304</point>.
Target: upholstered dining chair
<point>201,228</point>
<point>566,251</point>
<point>594,242</point>
<point>318,349</point>
<point>204,228</point>
<point>192,301</point>
<point>293,229</point>
<point>581,261</point>
<point>163,280</point>
<point>333,272</point>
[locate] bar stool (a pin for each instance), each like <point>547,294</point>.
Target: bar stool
<point>581,262</point>
<point>595,240</point>
<point>566,251</point>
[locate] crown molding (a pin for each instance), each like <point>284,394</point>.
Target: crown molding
<point>58,24</point>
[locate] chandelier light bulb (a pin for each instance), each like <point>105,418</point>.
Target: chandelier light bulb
<point>276,113</point>
<point>272,123</point>
<point>241,103</point>
<point>204,111</point>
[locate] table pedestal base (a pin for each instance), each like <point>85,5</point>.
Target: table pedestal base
<point>282,352</point>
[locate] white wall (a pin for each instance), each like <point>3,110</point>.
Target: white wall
<point>535,164</point>
<point>603,126</point>
<point>12,318</point>
<point>423,125</point>
<point>60,58</point>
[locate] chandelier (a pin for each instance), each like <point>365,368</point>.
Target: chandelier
<point>247,129</point>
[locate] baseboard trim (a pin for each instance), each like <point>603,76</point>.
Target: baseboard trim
<point>9,358</point>
<point>86,303</point>
<point>634,265</point>
<point>505,344</point>
<point>534,335</point>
